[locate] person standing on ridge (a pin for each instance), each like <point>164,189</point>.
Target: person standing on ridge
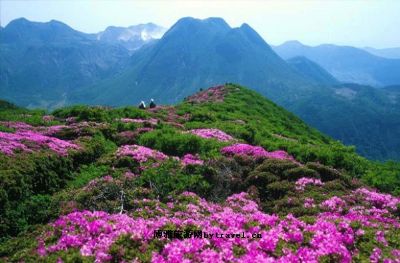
<point>142,105</point>
<point>152,104</point>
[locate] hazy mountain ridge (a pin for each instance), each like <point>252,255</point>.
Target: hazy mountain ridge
<point>312,71</point>
<point>345,63</point>
<point>384,52</point>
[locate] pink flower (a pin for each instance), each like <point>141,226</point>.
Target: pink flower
<point>21,139</point>
<point>379,200</point>
<point>191,159</point>
<point>140,153</point>
<point>47,118</point>
<point>151,121</point>
<point>334,204</point>
<point>380,237</point>
<point>309,202</point>
<point>212,134</point>
<point>254,151</point>
<point>376,255</point>
<point>304,181</point>
<point>331,234</point>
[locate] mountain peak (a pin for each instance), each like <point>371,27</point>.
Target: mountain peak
<point>18,22</point>
<point>252,34</point>
<point>191,24</point>
<point>293,43</point>
<point>132,37</point>
<point>22,30</point>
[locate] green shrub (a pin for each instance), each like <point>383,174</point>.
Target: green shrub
<point>279,189</point>
<point>176,143</point>
<point>169,179</point>
<point>294,174</point>
<point>276,167</point>
<point>260,179</point>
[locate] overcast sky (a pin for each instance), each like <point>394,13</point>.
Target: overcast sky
<point>359,23</point>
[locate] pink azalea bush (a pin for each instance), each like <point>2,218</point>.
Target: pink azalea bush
<point>16,125</point>
<point>309,202</point>
<point>285,239</point>
<point>47,118</point>
<point>212,134</point>
<point>334,204</point>
<point>140,154</point>
<point>151,121</point>
<point>191,159</point>
<point>304,181</point>
<point>51,130</point>
<point>213,94</point>
<point>379,200</point>
<point>254,151</point>
<point>27,141</point>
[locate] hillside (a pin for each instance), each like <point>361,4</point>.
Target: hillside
<point>121,184</point>
<point>312,71</point>
<point>345,63</point>
<point>41,63</point>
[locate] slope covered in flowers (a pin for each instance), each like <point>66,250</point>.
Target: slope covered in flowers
<point>97,184</point>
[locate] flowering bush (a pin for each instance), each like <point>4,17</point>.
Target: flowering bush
<point>286,239</point>
<point>140,154</point>
<point>191,159</point>
<point>379,200</point>
<point>27,141</point>
<point>52,130</point>
<point>212,133</point>
<point>47,118</point>
<point>254,151</point>
<point>334,204</point>
<point>151,121</point>
<point>16,125</point>
<point>309,202</point>
<point>214,94</point>
<point>304,181</point>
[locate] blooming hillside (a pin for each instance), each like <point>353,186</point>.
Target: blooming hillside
<point>226,176</point>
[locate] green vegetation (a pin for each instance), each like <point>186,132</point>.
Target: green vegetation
<point>38,187</point>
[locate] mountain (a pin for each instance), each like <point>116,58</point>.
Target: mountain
<point>63,66</point>
<point>384,52</point>
<point>132,37</point>
<point>101,184</point>
<point>345,63</point>
<point>312,71</point>
<point>363,116</point>
<point>197,53</point>
<point>40,63</point>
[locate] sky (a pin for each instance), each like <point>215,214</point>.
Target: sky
<point>374,23</point>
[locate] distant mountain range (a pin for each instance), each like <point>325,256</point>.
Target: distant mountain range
<point>345,63</point>
<point>384,52</point>
<point>51,65</point>
<point>41,63</point>
<point>312,70</point>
